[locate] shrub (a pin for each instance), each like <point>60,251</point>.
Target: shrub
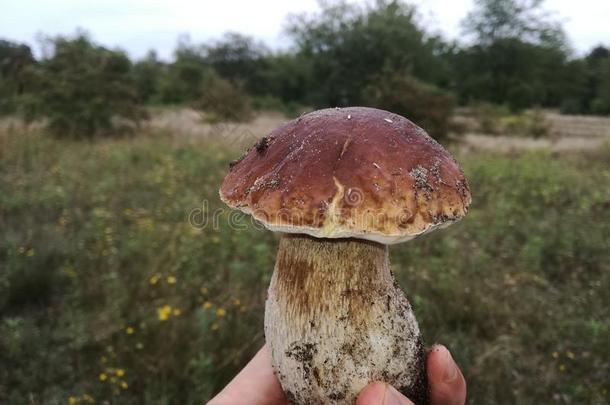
<point>83,89</point>
<point>498,120</point>
<point>530,123</point>
<point>271,103</point>
<point>488,116</point>
<point>424,104</point>
<point>220,100</point>
<point>571,106</point>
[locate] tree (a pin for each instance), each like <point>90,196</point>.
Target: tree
<point>494,20</point>
<point>221,100</point>
<point>83,89</point>
<point>239,59</point>
<point>147,75</point>
<point>595,94</point>
<point>288,77</point>
<point>184,78</point>
<point>347,46</point>
<point>518,58</point>
<point>424,104</point>
<point>15,60</point>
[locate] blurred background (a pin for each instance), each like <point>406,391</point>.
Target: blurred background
<point>117,124</point>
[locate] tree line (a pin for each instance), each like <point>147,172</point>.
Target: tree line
<point>514,54</point>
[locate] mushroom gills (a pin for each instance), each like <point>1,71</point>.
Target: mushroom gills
<point>335,320</point>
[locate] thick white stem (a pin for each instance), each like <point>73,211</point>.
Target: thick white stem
<point>335,321</point>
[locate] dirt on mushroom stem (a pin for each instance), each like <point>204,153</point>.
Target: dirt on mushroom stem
<point>336,320</point>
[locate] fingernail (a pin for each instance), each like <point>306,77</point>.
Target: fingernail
<point>393,397</point>
<point>451,369</point>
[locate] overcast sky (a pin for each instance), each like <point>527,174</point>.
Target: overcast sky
<point>137,25</point>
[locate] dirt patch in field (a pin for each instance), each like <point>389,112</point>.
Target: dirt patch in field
<point>507,144</point>
<point>567,133</point>
<point>187,122</point>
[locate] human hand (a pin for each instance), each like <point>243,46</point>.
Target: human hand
<point>445,380</point>
<point>254,385</point>
<point>257,385</point>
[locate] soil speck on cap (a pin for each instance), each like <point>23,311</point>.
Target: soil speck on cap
<point>420,175</point>
<point>262,145</point>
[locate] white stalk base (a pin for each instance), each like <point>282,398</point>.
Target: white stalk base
<point>335,321</point>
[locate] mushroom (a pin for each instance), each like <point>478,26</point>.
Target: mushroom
<point>341,185</point>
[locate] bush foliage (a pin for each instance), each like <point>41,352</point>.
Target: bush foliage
<point>83,89</point>
<point>220,100</point>
<point>493,120</point>
<point>424,104</point>
<point>15,61</point>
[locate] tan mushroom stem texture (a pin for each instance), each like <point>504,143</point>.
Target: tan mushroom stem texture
<point>336,320</point>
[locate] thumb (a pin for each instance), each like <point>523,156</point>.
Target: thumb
<point>379,393</point>
<point>447,384</point>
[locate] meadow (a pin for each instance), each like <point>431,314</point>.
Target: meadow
<point>109,294</point>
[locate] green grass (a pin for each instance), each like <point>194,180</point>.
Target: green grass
<point>96,256</point>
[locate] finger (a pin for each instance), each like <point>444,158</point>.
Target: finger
<point>254,385</point>
<point>447,384</point>
<point>379,393</point>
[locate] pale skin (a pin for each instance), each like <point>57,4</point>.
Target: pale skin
<point>257,385</point>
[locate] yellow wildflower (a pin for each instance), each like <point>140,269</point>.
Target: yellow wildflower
<point>124,385</point>
<point>154,279</point>
<point>220,312</point>
<point>164,312</point>
<point>72,400</point>
<point>87,398</point>
<point>30,252</point>
<point>570,355</point>
<point>177,312</point>
<point>555,355</point>
<point>215,326</point>
<point>103,377</point>
<point>236,302</point>
<point>170,280</point>
<point>129,330</point>
<point>562,367</point>
<point>207,305</point>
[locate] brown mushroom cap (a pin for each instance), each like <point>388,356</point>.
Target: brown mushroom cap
<point>352,172</point>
